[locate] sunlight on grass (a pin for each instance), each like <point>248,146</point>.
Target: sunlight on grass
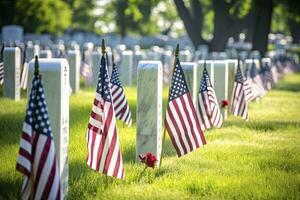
<point>255,160</point>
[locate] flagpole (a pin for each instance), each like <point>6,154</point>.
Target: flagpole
<point>36,73</point>
<point>164,134</point>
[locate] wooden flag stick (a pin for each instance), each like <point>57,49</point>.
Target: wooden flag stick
<point>103,47</point>
<point>164,134</point>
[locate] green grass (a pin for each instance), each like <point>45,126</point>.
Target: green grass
<point>259,159</point>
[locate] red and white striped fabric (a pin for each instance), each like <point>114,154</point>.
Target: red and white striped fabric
<point>181,120</point>
<point>1,73</point>
<point>120,102</point>
<point>37,159</point>
<point>249,96</point>
<point>24,76</point>
<point>239,104</point>
<point>209,111</point>
<point>104,154</point>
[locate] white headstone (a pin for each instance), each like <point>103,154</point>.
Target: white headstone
<point>192,76</point>
<point>55,79</point>
<point>232,66</point>
<point>45,53</point>
<point>32,51</point>
<point>12,72</point>
<point>221,82</point>
<point>126,68</point>
<point>95,67</point>
<point>185,56</point>
<point>209,67</point>
<point>149,108</point>
<point>74,60</point>
<point>12,33</point>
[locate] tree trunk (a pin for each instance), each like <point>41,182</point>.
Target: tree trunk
<point>295,30</point>
<point>263,24</point>
<point>193,22</point>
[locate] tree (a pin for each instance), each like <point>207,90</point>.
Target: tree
<point>83,16</point>
<point>37,16</point>
<point>230,18</point>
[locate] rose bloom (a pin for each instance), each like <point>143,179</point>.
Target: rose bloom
<point>224,103</point>
<point>149,159</point>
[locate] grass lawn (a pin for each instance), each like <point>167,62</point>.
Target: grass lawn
<point>259,159</point>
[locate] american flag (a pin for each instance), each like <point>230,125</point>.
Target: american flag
<point>37,159</point>
<point>267,77</point>
<point>85,70</point>
<point>104,154</point>
<point>208,105</point>
<point>239,103</point>
<point>1,73</point>
<point>121,106</point>
<point>24,76</point>
<point>257,84</point>
<point>249,96</point>
<point>181,120</point>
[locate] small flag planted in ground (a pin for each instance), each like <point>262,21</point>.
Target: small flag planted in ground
<point>181,120</point>
<point>104,154</point>
<point>257,84</point>
<point>239,104</point>
<point>37,159</point>
<point>121,106</point>
<point>208,104</point>
<point>1,72</point>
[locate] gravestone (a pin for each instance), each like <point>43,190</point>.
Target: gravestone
<point>209,67</point>
<point>96,60</point>
<point>126,68</point>
<point>12,33</point>
<point>74,60</point>
<point>185,56</point>
<point>149,108</point>
<point>248,65</point>
<point>191,75</point>
<point>221,82</point>
<point>45,53</point>
<point>138,56</point>
<point>12,73</point>
<point>232,66</point>
<point>32,51</point>
<point>55,79</point>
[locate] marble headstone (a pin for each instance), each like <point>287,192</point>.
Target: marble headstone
<point>32,51</point>
<point>221,82</point>
<point>55,79</point>
<point>74,60</point>
<point>126,67</point>
<point>232,66</point>
<point>12,73</point>
<point>45,53</point>
<point>149,108</point>
<point>95,67</point>
<point>12,33</point>
<point>191,75</point>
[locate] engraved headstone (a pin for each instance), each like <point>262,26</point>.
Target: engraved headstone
<point>12,73</point>
<point>149,108</point>
<point>74,60</point>
<point>55,79</point>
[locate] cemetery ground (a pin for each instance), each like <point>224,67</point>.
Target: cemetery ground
<point>255,160</point>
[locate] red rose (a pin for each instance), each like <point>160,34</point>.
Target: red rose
<point>149,159</point>
<point>224,103</point>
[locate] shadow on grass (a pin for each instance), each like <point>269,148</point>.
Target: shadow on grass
<point>10,189</point>
<point>11,128</point>
<point>264,125</point>
<point>293,87</point>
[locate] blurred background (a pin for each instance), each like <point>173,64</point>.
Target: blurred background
<point>211,22</point>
